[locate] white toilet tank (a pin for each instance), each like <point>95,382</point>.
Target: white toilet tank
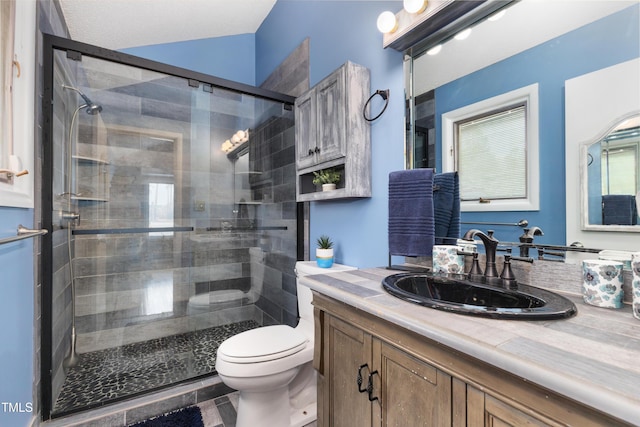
<point>307,268</point>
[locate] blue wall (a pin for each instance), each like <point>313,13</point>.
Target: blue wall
<point>339,31</point>
<point>231,57</point>
<point>606,42</point>
<point>16,318</point>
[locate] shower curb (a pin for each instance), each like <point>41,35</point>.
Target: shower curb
<point>145,407</point>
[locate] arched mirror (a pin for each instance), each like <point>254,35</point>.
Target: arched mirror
<point>611,179</point>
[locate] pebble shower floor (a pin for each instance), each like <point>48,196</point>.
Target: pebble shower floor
<point>107,375</point>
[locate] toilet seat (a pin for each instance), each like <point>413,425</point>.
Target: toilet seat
<point>262,344</point>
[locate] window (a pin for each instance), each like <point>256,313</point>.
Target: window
<point>619,176</point>
<point>493,144</point>
<point>160,208</point>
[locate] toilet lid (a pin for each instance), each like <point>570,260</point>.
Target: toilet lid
<point>262,344</point>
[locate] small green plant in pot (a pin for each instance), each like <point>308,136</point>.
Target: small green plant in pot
<point>327,177</point>
<point>324,252</point>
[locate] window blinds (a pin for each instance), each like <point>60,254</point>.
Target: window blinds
<point>492,155</point>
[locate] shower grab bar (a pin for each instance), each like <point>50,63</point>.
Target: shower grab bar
<point>521,223</point>
<point>131,230</point>
<point>23,233</point>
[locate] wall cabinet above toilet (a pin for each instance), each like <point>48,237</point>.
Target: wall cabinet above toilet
<point>331,132</point>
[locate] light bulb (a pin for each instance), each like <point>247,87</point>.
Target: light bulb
<point>414,6</point>
<point>497,16</point>
<point>434,50</point>
<point>463,34</point>
<point>227,146</point>
<point>387,22</point>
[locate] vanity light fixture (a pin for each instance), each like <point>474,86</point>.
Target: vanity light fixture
<point>414,6</point>
<point>387,22</point>
<point>236,140</point>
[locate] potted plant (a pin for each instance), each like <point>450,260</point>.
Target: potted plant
<point>327,177</point>
<point>324,252</point>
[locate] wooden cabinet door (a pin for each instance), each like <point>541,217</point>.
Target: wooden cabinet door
<point>412,393</point>
<point>484,410</point>
<point>332,120</point>
<point>347,350</point>
<point>306,129</point>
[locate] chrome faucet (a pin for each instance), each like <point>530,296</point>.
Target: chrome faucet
<point>490,245</point>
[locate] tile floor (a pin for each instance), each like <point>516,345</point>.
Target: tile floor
<point>110,375</point>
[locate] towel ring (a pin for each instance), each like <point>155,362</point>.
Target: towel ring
<point>384,94</point>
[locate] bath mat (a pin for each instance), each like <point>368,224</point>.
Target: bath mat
<point>187,417</point>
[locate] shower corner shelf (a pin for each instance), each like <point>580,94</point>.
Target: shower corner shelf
<point>92,175</point>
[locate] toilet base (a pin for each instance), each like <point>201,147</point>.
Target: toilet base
<point>302,417</point>
<point>264,409</point>
<point>273,409</point>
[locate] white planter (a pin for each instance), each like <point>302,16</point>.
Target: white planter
<point>328,187</point>
<point>324,257</point>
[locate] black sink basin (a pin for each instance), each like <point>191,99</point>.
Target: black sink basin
<point>455,293</point>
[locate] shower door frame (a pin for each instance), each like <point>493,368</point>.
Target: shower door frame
<point>75,50</point>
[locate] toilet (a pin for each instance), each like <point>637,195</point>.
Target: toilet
<point>205,302</point>
<point>272,367</point>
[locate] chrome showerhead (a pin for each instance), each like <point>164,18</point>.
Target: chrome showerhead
<point>91,107</point>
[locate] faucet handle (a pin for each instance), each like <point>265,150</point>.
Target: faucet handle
<point>475,266</point>
<point>507,276</point>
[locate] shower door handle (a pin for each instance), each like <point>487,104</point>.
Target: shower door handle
<point>70,218</point>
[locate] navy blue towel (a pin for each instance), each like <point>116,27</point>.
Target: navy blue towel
<point>619,209</point>
<point>411,224</point>
<point>446,207</point>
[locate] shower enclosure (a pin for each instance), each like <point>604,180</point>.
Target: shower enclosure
<point>170,200</point>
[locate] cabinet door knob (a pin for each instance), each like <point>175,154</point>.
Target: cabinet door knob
<point>310,152</point>
<point>317,150</point>
<point>359,378</point>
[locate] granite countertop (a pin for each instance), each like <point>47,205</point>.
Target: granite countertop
<point>593,357</point>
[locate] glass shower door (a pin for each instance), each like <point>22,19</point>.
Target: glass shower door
<point>174,226</point>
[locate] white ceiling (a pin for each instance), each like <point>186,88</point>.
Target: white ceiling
<point>120,24</point>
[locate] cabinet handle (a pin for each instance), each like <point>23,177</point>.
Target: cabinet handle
<point>370,387</point>
<point>359,378</point>
<point>317,150</point>
<point>310,152</point>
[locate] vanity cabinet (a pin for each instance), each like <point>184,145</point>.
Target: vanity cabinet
<point>370,382</point>
<point>331,132</point>
<point>419,382</point>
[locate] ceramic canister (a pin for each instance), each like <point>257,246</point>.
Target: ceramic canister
<point>635,267</point>
<point>602,283</point>
<point>447,260</point>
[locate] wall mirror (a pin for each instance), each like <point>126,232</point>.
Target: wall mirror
<point>510,53</point>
